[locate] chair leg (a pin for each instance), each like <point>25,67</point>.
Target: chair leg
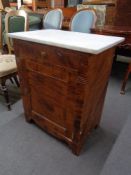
<point>125,79</point>
<point>6,95</point>
<point>16,80</point>
<point>11,81</point>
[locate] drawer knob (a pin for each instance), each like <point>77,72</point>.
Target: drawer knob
<point>59,54</point>
<point>43,54</point>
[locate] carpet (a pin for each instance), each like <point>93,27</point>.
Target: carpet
<point>26,150</point>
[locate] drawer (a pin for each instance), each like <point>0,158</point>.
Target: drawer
<point>55,71</point>
<point>52,55</point>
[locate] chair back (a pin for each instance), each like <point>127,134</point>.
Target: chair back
<point>15,21</point>
<point>53,19</point>
<point>83,21</point>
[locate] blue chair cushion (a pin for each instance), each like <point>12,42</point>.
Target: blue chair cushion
<point>82,22</point>
<point>53,19</point>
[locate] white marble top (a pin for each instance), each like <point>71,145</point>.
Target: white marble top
<point>88,43</point>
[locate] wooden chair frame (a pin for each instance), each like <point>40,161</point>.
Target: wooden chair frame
<point>1,40</point>
<point>4,88</point>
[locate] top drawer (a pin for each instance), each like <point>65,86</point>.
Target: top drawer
<point>52,55</point>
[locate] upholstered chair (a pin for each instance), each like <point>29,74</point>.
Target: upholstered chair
<point>15,21</point>
<point>8,68</point>
<point>35,20</point>
<point>53,19</point>
<point>83,21</point>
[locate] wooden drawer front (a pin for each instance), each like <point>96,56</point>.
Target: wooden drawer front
<point>64,58</point>
<point>53,55</point>
<point>47,69</point>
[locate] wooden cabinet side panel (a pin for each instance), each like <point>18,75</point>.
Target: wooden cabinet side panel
<point>99,68</point>
<point>23,76</point>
